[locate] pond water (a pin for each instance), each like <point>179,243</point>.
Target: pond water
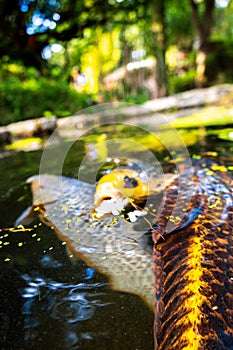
<point>51,300</point>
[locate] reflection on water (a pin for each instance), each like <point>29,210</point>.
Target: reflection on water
<point>48,300</point>
<point>68,304</point>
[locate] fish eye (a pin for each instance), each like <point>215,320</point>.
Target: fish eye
<point>130,182</point>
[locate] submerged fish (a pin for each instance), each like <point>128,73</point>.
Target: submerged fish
<point>188,278</point>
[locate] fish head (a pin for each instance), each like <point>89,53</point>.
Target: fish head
<point>121,187</point>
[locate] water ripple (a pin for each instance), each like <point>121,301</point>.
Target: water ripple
<point>61,302</point>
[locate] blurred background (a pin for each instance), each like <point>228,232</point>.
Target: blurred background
<point>67,55</point>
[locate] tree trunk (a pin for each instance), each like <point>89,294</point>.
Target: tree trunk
<point>203,22</point>
<point>159,44</point>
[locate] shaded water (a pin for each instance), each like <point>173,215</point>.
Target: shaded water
<point>52,300</point>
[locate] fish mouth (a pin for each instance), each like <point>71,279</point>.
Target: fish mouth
<point>107,193</point>
<point>110,205</point>
<point>105,198</point>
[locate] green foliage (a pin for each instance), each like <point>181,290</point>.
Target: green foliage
<point>179,83</point>
<point>139,98</point>
<point>33,98</point>
<point>179,30</point>
<point>219,67</point>
<point>85,30</point>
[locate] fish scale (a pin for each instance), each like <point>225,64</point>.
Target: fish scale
<point>197,300</point>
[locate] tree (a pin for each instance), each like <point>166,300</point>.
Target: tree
<point>170,25</point>
<point>160,44</point>
<point>14,40</point>
<point>203,19</point>
<point>28,26</point>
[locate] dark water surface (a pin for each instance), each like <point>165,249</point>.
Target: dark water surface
<point>49,300</point>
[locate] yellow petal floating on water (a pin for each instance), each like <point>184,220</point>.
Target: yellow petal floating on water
<point>7,259</point>
<point>221,168</point>
<point>196,156</point>
<point>65,208</point>
<point>211,153</point>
